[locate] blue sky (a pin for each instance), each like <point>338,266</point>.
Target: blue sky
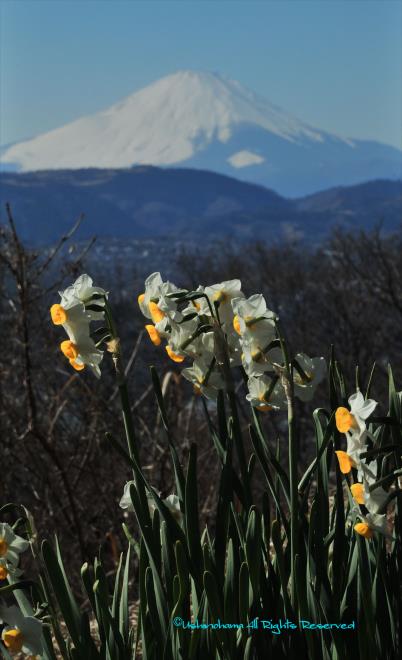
<point>335,64</point>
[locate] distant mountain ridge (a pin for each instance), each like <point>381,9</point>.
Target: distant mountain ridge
<point>147,202</point>
<point>210,122</point>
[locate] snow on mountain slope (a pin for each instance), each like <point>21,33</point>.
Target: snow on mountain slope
<point>208,121</point>
<point>165,123</point>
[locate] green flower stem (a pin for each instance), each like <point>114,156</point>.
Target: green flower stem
<point>294,503</point>
<point>287,381</point>
<point>114,347</point>
<point>132,444</point>
<point>127,417</point>
<point>222,359</point>
<point>239,446</point>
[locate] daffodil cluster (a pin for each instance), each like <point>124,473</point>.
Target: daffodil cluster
<point>217,327</point>
<point>80,304</point>
<point>352,422</point>
<point>19,633</point>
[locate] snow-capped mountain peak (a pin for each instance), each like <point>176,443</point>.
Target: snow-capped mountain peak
<point>198,119</point>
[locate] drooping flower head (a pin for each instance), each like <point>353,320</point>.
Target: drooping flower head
<point>155,303</point>
<point>265,393</point>
<point>11,545</point>
<point>92,297</point>
<point>255,357</point>
<point>171,501</point>
<point>221,296</point>
<point>374,499</point>
<point>21,633</point>
<point>354,420</point>
<point>8,569</point>
<point>372,522</point>
<point>252,318</point>
<point>206,379</point>
<point>353,424</point>
<point>80,304</point>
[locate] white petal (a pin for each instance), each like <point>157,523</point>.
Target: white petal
<point>356,401</point>
<point>367,408</point>
<point>125,502</point>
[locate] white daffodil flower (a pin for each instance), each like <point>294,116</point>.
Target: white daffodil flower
<point>222,295</point>
<point>203,348</point>
<point>21,633</point>
<point>315,370</point>
<point>72,316</point>
<point>6,569</point>
<point>125,502</point>
<point>180,340</point>
<point>11,545</point>
<point>83,291</point>
<point>372,500</point>
<point>80,350</point>
<point>171,501</point>
<point>356,445</point>
<point>205,380</point>
<point>256,359</point>
<point>260,396</point>
<point>253,318</point>
<point>154,303</point>
<point>353,423</point>
<point>372,522</point>
<point>173,504</point>
<point>354,420</point>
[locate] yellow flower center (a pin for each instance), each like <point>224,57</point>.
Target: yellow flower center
<point>58,314</point>
<point>345,462</point>
<point>3,572</point>
<point>156,313</point>
<point>69,349</point>
<point>173,356</point>
<point>196,305</point>
<point>250,322</point>
<point>141,298</point>
<point>358,493</point>
<point>257,356</point>
<point>364,530</point>
<point>219,296</point>
<point>3,547</point>
<point>344,420</point>
<point>301,380</point>
<point>78,366</point>
<point>153,334</point>
<point>265,406</point>
<point>236,324</point>
<point>13,639</point>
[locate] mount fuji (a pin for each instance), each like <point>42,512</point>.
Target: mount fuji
<point>209,122</point>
